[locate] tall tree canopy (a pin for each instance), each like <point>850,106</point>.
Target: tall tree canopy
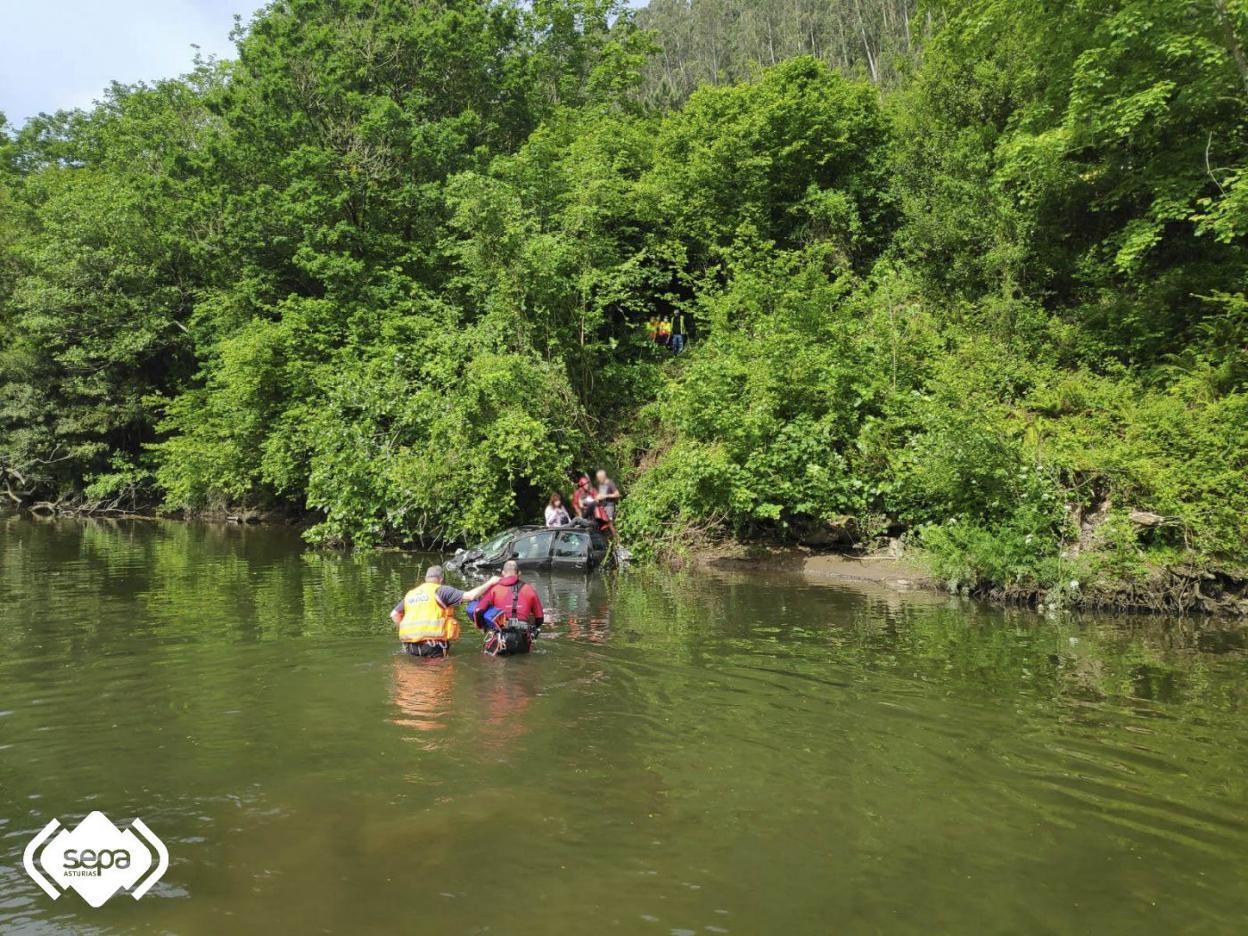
<point>971,271</point>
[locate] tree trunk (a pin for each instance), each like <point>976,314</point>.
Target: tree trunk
<point>1233,45</point>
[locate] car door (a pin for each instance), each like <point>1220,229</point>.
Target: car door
<point>600,546</point>
<point>571,550</point>
<point>532,550</point>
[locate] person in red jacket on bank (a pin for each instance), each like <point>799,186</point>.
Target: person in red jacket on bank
<point>583,499</point>
<point>519,614</point>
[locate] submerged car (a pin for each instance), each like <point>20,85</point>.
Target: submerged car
<point>575,548</point>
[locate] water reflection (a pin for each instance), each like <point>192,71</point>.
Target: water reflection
<point>506,690</point>
<point>422,692</point>
<point>492,693</point>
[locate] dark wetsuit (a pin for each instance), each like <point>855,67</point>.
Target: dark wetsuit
<point>428,648</point>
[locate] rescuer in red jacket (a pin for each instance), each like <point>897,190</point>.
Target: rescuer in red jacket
<point>520,614</point>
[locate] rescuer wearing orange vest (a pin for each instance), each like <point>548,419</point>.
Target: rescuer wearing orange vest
<point>426,615</point>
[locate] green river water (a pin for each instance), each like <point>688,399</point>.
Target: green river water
<point>692,754</point>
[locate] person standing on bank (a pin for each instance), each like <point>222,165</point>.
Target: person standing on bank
<point>608,494</point>
<point>680,331</point>
<point>426,615</point>
<point>583,499</point>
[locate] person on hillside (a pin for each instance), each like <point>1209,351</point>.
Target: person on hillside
<point>608,495</point>
<point>680,331</point>
<point>556,513</point>
<point>665,332</point>
<point>583,502</point>
<point>426,615</point>
<point>510,613</point>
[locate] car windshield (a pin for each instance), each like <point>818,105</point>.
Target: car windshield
<point>494,547</point>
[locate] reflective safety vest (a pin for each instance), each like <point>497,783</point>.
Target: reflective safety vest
<point>425,619</point>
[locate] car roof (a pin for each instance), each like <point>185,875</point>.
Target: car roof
<point>540,528</point>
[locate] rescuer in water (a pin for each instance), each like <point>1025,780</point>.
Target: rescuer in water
<point>510,613</point>
<point>426,615</point>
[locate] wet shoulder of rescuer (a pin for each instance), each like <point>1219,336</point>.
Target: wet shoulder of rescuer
<point>510,613</point>
<point>426,615</point>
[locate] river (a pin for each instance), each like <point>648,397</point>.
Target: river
<point>681,755</point>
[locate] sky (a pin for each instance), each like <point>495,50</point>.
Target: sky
<point>63,53</point>
<point>58,54</point>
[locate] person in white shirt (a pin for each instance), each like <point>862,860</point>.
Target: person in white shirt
<point>556,513</point>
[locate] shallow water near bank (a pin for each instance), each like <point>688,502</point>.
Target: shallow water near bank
<point>690,754</point>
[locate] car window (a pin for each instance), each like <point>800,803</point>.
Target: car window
<point>571,546</point>
<point>495,546</point>
<point>534,545</point>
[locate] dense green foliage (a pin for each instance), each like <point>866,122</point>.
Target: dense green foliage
<point>393,266</point>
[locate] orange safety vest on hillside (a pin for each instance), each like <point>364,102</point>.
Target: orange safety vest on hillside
<point>424,618</point>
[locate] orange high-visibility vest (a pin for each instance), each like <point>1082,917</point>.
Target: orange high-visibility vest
<point>425,619</point>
